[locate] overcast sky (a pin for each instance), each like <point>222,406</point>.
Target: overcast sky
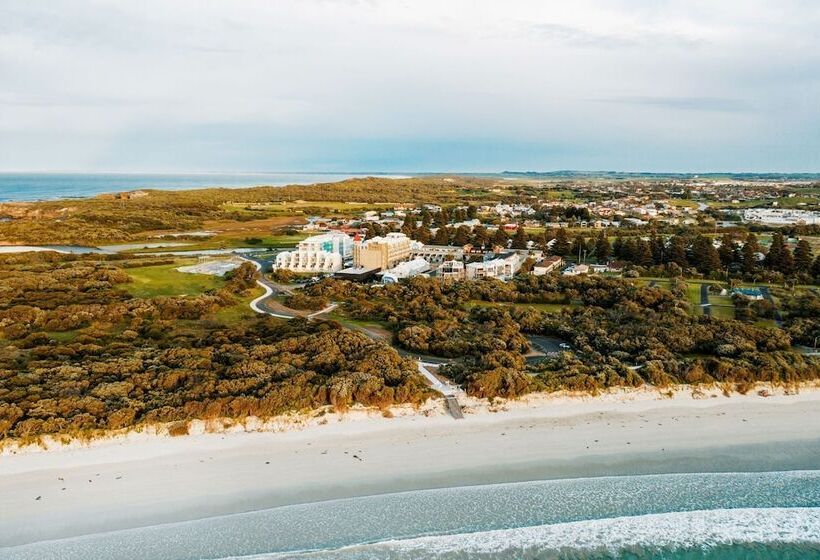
<point>444,85</point>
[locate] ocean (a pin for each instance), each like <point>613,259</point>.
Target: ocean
<point>48,186</point>
<point>727,516</point>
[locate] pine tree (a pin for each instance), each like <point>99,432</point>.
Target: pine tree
<point>726,250</point>
<point>561,245</point>
<point>677,251</point>
<point>802,256</point>
<point>658,249</point>
<point>815,268</point>
<point>629,249</point>
<point>500,238</point>
<point>704,255</point>
<point>643,253</point>
<point>462,236</point>
<point>602,248</point>
<point>472,212</point>
<point>442,236</point>
<point>578,247</point>
<point>426,219</point>
<point>480,237</point>
<point>774,258</point>
<point>618,247</point>
<point>409,225</point>
<point>422,234</point>
<point>750,250</point>
<point>519,239</point>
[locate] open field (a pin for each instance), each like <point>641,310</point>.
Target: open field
<point>165,280</point>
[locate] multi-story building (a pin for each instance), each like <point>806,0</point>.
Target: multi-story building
<point>382,252</point>
<point>452,270</point>
<point>320,253</point>
<point>436,253</point>
<point>503,267</point>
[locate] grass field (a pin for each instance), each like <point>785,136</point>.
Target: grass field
<point>165,280</point>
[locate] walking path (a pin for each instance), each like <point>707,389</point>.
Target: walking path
<point>449,391</point>
<point>704,299</point>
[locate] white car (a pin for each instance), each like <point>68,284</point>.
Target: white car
<point>564,346</point>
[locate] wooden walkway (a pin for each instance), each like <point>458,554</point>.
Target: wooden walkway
<point>453,407</point>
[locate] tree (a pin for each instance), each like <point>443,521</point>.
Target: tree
<point>422,234</point>
<point>750,250</point>
<point>704,255</point>
<point>802,256</point>
<point>480,236</point>
<point>561,246</point>
<point>426,219</point>
<point>677,251</point>
<point>815,268</point>
<point>658,249</point>
<point>578,247</point>
<point>618,246</point>
<point>602,247</point>
<point>442,236</point>
<point>775,256</point>
<point>643,253</point>
<point>462,236</point>
<point>409,225</point>
<point>472,212</point>
<point>519,240</point>
<point>500,238</point>
<point>726,250</point>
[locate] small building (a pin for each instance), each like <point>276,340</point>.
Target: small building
<point>749,293</point>
<point>356,274</point>
<point>547,265</point>
<point>407,269</point>
<point>575,270</point>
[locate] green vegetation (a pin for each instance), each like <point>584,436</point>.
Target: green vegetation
<point>166,280</point>
<point>81,354</point>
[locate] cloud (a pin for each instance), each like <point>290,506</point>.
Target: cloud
<point>718,104</point>
<point>322,84</point>
<point>579,37</point>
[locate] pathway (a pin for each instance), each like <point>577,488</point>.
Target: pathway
<point>704,299</point>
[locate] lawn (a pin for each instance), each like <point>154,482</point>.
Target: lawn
<point>238,312</point>
<point>693,295</point>
<point>165,280</point>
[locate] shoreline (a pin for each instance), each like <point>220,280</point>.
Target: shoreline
<point>361,418</point>
<point>152,480</point>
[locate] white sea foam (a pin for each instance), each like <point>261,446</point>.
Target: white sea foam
<point>706,528</point>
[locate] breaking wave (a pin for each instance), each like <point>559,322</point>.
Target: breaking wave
<point>786,532</point>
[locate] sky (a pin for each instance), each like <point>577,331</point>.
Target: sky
<point>410,86</point>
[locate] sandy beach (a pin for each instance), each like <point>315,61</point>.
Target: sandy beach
<point>142,480</point>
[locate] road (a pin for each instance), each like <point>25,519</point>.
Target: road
<point>704,299</point>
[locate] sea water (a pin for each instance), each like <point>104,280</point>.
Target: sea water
<point>670,516</point>
<point>45,186</point>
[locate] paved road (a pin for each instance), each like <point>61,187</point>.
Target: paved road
<point>704,299</point>
<point>546,344</point>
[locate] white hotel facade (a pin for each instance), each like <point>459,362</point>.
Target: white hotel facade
<point>320,253</point>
